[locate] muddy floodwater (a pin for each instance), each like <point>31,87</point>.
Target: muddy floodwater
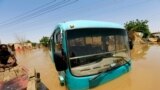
<point>144,75</point>
<point>41,61</point>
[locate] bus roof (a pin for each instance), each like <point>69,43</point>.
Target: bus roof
<point>88,24</point>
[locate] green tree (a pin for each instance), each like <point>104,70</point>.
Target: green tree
<point>138,26</point>
<point>44,41</point>
<point>34,44</point>
<point>28,41</point>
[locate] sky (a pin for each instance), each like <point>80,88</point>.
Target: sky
<point>33,19</point>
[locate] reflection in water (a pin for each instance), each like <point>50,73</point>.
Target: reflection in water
<point>139,51</point>
<point>144,74</point>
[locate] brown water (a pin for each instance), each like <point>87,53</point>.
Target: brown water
<point>144,75</point>
<point>40,60</point>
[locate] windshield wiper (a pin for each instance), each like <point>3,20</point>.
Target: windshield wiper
<point>112,66</point>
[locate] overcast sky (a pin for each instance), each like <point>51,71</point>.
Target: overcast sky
<point>33,19</point>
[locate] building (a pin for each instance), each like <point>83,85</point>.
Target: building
<point>19,46</point>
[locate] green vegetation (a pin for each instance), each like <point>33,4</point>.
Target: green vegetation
<point>34,44</point>
<point>28,41</point>
<point>44,41</point>
<point>138,26</point>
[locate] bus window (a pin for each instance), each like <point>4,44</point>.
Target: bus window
<point>58,42</point>
<point>95,48</point>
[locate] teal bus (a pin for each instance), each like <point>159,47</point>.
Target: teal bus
<point>88,53</point>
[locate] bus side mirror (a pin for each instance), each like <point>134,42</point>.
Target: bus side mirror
<point>60,63</point>
<point>130,44</point>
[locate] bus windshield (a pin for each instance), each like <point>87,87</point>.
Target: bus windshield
<point>92,50</point>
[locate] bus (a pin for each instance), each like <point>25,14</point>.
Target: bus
<point>88,53</point>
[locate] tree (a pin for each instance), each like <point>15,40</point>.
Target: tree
<point>34,44</point>
<point>44,41</point>
<point>138,26</point>
<point>28,41</point>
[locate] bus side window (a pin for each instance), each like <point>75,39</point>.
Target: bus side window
<point>58,42</point>
<point>59,57</point>
<point>51,43</point>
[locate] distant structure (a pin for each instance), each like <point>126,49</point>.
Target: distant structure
<point>19,46</point>
<point>155,37</point>
<point>155,34</point>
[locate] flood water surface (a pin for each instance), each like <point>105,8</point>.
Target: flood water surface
<point>41,61</point>
<point>144,75</point>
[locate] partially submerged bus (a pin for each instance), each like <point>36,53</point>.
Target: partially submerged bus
<point>89,53</point>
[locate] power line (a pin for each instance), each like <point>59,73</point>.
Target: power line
<point>33,12</point>
<point>53,9</point>
<point>23,14</point>
<point>41,12</point>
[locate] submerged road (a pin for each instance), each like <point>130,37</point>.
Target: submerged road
<point>144,74</point>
